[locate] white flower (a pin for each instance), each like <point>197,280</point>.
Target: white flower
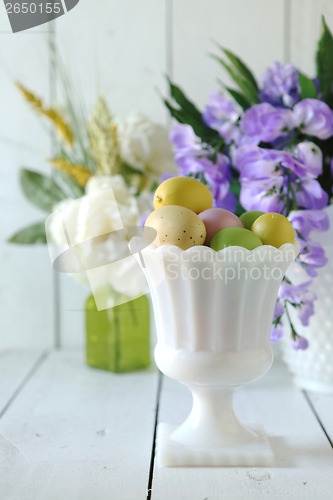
<point>145,202</point>
<point>96,221</point>
<point>145,145</point>
<point>61,225</point>
<point>108,206</point>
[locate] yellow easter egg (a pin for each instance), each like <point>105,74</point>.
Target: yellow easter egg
<point>178,226</point>
<point>273,229</point>
<point>183,191</point>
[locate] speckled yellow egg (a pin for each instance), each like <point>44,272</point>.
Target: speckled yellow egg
<point>273,229</point>
<point>177,225</point>
<point>183,191</point>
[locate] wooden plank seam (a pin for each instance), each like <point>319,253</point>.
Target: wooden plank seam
<point>308,400</point>
<point>24,382</point>
<point>152,458</point>
<point>52,42</point>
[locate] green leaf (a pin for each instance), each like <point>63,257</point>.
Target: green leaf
<point>324,63</point>
<point>239,98</point>
<point>308,88</point>
<point>249,92</point>
<point>41,190</point>
<point>178,95</point>
<point>182,117</point>
<point>31,235</point>
<point>186,112</point>
<point>175,113</point>
<point>235,187</point>
<point>73,188</point>
<point>242,68</point>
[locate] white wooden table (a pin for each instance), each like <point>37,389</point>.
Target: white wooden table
<point>69,432</point>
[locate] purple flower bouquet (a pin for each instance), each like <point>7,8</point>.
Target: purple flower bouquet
<point>267,146</point>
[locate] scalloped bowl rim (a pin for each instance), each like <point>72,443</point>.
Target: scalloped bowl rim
<point>231,251</point>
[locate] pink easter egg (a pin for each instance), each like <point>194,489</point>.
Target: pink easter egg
<point>216,219</point>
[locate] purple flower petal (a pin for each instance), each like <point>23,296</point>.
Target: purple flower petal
<point>221,114</point>
<point>312,257</point>
<point>279,310</point>
<point>300,343</point>
<point>183,137</point>
<point>302,296</point>
<point>311,195</point>
<point>280,85</point>
<point>193,157</point>
<point>266,123</point>
<point>306,221</point>
<point>229,202</point>
<point>311,156</point>
<point>276,333</point>
<point>314,117</point>
<point>263,195</point>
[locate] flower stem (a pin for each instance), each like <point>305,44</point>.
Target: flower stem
<point>294,334</point>
<point>291,202</point>
<point>116,339</point>
<point>132,312</point>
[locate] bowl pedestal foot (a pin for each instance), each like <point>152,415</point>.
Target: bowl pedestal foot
<point>212,435</point>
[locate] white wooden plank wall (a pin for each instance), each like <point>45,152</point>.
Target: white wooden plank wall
<point>26,292</point>
<point>119,49</point>
<point>305,26</point>
<point>253,30</point>
<point>124,49</point>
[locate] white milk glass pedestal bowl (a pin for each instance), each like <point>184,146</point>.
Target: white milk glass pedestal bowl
<point>213,313</point>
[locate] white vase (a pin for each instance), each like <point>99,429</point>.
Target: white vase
<point>312,369</point>
<point>213,313</point>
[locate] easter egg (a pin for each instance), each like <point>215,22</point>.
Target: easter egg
<point>273,229</point>
<point>183,191</point>
<point>235,236</point>
<point>177,225</point>
<point>216,219</point>
<point>248,218</point>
